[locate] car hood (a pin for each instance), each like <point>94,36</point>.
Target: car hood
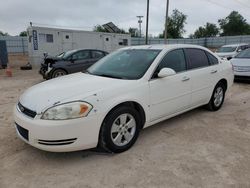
<point>228,54</point>
<point>240,62</point>
<point>60,90</point>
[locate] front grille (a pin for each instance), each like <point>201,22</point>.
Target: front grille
<point>26,111</point>
<point>242,68</point>
<point>57,142</point>
<point>23,132</point>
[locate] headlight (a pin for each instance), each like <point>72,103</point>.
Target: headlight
<point>67,111</point>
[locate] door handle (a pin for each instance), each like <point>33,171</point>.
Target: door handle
<point>214,71</point>
<point>185,78</point>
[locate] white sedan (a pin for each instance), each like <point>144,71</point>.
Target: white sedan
<point>126,91</point>
<point>241,65</point>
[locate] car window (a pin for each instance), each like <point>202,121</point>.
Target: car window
<point>125,64</point>
<point>197,58</point>
<point>97,54</point>
<point>81,55</point>
<point>212,59</point>
<point>226,49</point>
<point>244,54</point>
<point>174,60</point>
<point>244,47</point>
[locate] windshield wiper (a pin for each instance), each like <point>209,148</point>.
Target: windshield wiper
<point>110,76</point>
<point>86,72</point>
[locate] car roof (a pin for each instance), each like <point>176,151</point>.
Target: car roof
<point>235,45</point>
<point>81,49</point>
<point>164,46</point>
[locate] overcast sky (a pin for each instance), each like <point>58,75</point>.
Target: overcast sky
<point>15,15</point>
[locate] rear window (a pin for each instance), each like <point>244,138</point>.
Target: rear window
<point>197,58</point>
<point>212,59</point>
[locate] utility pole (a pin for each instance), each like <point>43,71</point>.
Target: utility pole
<point>140,22</point>
<point>166,23</point>
<point>147,22</point>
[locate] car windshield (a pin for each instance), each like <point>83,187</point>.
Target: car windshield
<point>67,54</point>
<point>226,49</point>
<point>128,64</point>
<point>244,54</point>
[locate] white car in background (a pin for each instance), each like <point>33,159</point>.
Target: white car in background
<point>241,65</point>
<point>230,51</point>
<point>124,92</point>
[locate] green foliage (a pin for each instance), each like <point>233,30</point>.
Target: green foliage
<point>209,30</point>
<point>3,34</point>
<point>133,32</point>
<point>176,24</point>
<point>23,34</point>
<point>234,24</point>
<point>99,28</point>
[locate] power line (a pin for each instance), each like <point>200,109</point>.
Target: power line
<point>243,4</point>
<point>220,5</point>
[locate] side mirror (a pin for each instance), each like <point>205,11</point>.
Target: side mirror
<point>165,72</point>
<point>239,50</point>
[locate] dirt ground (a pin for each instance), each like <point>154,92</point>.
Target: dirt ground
<point>196,149</point>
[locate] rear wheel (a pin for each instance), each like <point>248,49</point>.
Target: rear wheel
<point>217,98</point>
<point>58,73</point>
<point>120,129</point>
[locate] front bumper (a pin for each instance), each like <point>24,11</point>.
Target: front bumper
<point>58,136</point>
<point>45,71</point>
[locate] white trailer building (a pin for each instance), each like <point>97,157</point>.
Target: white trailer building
<point>54,41</point>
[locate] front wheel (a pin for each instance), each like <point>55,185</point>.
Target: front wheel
<point>58,73</point>
<point>120,129</point>
<point>217,98</point>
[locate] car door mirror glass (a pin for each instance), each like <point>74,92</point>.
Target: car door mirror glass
<point>165,72</point>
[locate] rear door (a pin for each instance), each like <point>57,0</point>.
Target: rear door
<point>81,60</point>
<point>96,55</point>
<point>203,75</point>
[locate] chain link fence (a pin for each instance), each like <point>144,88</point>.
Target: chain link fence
<point>16,44</point>
<point>212,42</point>
<point>20,44</point>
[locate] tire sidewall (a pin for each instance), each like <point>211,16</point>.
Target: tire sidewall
<point>214,107</point>
<point>57,70</point>
<point>107,125</point>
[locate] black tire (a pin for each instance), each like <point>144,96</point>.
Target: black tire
<point>212,105</point>
<point>58,72</point>
<point>105,139</point>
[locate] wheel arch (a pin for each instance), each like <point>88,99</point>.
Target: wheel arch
<point>137,106</point>
<point>224,82</point>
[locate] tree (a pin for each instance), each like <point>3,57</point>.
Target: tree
<point>209,30</point>
<point>23,34</point>
<point>99,28</point>
<point>176,23</point>
<point>234,24</point>
<point>3,34</point>
<point>134,32</point>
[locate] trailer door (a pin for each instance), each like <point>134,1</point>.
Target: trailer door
<point>67,41</point>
